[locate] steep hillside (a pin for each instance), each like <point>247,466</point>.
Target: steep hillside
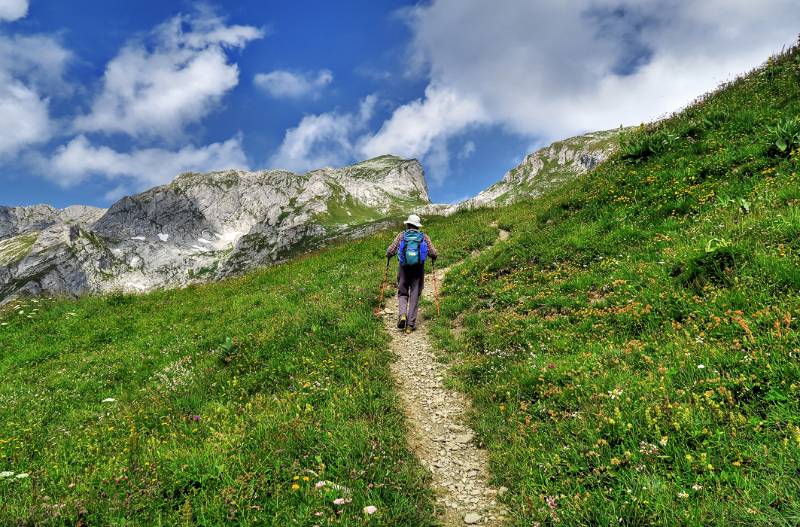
<point>259,400</point>
<point>200,227</point>
<point>632,350</point>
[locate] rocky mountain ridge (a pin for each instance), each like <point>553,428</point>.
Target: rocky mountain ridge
<point>540,171</point>
<point>21,220</point>
<point>199,227</point>
<point>202,227</point>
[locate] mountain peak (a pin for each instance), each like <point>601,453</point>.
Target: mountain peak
<point>201,226</point>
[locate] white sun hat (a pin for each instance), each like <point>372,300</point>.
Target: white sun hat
<point>414,220</point>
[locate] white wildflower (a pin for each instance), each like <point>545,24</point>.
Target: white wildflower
<point>109,400</point>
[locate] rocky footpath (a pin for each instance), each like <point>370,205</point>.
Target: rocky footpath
<point>199,227</point>
<point>439,433</point>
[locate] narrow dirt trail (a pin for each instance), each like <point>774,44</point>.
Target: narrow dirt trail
<point>438,433</point>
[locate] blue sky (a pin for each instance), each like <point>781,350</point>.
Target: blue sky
<point>104,98</point>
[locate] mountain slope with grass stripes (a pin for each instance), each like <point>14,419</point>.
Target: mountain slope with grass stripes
<point>633,351</point>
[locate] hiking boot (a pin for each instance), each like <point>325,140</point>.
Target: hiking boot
<point>402,322</point>
<point>410,329</point>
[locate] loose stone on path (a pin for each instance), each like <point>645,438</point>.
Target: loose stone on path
<point>438,433</point>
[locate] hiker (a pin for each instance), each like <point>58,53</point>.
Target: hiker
<point>412,248</point>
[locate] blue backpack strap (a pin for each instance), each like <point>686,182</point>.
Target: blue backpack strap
<point>401,250</point>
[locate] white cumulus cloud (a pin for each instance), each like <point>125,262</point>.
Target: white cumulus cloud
<point>157,86</point>
<point>25,117</point>
<point>421,129</point>
<point>286,84</point>
<point>322,140</point>
<point>11,10</point>
<point>414,127</point>
<point>31,71</point>
<point>547,70</point>
<point>138,169</point>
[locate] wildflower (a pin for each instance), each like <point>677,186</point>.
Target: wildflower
<point>109,400</point>
<point>697,487</point>
<point>195,418</point>
<point>663,441</point>
<point>615,393</point>
<point>683,495</point>
<point>341,501</point>
<point>319,484</point>
<point>647,449</point>
<point>6,474</point>
<point>22,475</point>
<point>701,366</point>
<point>551,502</point>
<point>370,509</point>
<point>295,486</point>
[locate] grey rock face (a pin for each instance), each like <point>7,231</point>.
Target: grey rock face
<point>542,170</point>
<point>198,227</point>
<point>21,220</point>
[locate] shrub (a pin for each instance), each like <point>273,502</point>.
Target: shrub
<point>784,136</point>
<point>716,265</point>
<point>643,144</point>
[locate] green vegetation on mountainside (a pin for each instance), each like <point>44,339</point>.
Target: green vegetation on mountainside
<point>633,351</point>
<point>16,248</point>
<point>224,403</point>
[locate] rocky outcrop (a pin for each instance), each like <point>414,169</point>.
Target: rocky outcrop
<point>199,227</point>
<point>547,168</point>
<point>21,220</point>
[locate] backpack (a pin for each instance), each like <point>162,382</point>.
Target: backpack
<point>413,248</point>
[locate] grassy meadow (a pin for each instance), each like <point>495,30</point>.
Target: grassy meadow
<point>633,351</point>
<point>262,400</point>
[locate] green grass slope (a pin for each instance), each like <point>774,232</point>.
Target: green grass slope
<point>224,404</point>
<point>633,351</point>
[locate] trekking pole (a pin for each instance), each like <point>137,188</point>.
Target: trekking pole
<point>435,286</point>
<point>383,288</point>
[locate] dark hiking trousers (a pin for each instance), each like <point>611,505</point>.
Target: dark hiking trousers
<point>410,281</point>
